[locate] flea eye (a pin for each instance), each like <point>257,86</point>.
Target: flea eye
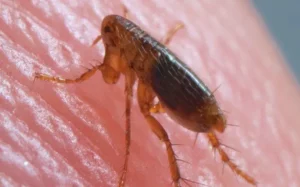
<point>107,29</point>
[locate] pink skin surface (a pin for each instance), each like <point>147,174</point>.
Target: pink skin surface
<point>73,135</point>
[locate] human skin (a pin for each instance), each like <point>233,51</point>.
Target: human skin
<point>73,135</point>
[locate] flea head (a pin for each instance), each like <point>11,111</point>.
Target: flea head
<point>109,31</point>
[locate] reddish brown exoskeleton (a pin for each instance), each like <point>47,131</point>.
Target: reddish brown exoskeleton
<point>133,53</point>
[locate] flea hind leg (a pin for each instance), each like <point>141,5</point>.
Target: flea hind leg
<point>225,158</point>
<point>145,98</point>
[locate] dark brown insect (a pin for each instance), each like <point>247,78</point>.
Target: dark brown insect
<point>135,54</point>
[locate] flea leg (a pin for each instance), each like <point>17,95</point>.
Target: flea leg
<point>86,75</point>
<point>225,158</point>
<point>171,33</point>
<point>113,75</point>
<point>145,98</point>
<point>129,82</point>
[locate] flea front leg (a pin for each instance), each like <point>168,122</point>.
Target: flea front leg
<point>129,82</point>
<point>107,72</point>
<point>86,75</point>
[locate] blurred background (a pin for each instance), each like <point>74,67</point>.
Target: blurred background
<point>283,20</point>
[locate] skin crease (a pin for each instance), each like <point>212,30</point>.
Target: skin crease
<point>73,135</point>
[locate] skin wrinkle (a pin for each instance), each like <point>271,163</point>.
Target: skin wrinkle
<point>267,125</point>
<point>51,129</point>
<point>33,144</point>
